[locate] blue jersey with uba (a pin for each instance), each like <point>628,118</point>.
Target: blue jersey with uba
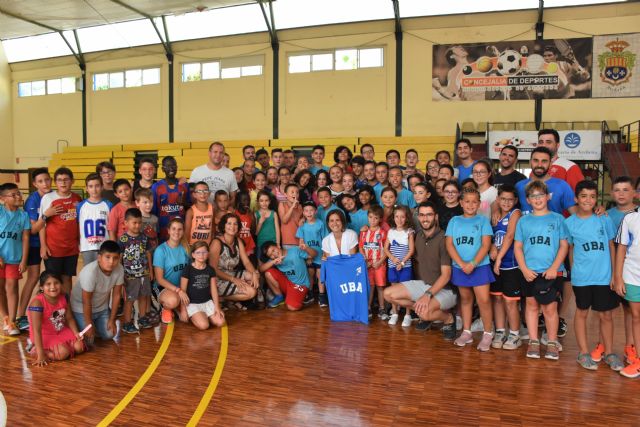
<point>540,236</point>
<point>312,234</point>
<point>467,236</point>
<point>499,232</point>
<point>134,254</point>
<point>294,266</point>
<point>12,225</point>
<point>172,261</point>
<point>347,282</point>
<point>561,195</point>
<point>590,238</point>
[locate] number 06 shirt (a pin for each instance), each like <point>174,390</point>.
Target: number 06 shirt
<point>92,218</point>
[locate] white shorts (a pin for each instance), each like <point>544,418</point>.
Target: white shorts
<point>206,307</point>
<point>417,288</point>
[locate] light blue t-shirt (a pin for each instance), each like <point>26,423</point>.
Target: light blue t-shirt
<point>540,237</point>
<point>315,169</point>
<point>464,172</point>
<point>590,238</point>
<point>467,236</point>
<point>377,189</point>
<point>359,219</point>
<point>294,266</point>
<point>616,215</point>
<point>172,261</point>
<point>12,225</point>
<point>562,196</point>
<point>405,197</point>
<point>312,234</point>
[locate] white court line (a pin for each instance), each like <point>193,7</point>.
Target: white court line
<point>3,411</point>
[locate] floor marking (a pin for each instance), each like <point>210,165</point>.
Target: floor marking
<point>141,381</point>
<point>6,340</point>
<point>208,394</point>
<point>3,411</point>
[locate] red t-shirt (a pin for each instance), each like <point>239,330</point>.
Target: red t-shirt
<point>244,233</point>
<point>116,219</point>
<point>566,170</point>
<point>62,230</point>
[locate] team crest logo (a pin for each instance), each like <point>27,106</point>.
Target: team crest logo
<point>358,271</point>
<point>551,227</point>
<point>616,66</point>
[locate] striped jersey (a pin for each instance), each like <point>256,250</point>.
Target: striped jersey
<point>398,245</point>
<point>499,231</point>
<point>372,244</point>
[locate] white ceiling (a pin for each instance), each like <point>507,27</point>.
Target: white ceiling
<point>73,14</point>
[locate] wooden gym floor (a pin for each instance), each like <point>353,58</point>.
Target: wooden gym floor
<point>289,369</point>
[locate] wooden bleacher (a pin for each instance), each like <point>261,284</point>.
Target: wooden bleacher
<point>82,160</point>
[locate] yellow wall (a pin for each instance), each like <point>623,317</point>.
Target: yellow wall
<point>319,104</point>
<point>6,125</point>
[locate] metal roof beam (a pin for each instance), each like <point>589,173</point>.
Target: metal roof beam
<point>269,20</point>
<point>165,43</point>
<point>396,15</point>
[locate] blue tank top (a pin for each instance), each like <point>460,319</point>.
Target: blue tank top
<point>499,231</point>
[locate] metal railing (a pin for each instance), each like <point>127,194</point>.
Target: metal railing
<point>630,135</point>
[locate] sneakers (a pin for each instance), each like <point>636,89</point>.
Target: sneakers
<point>631,371</point>
<point>130,328</point>
<point>477,326</point>
<point>597,353</point>
<point>499,339</point>
<point>154,317</point>
<point>524,332</point>
<point>323,300</point>
<point>449,331</point>
<point>166,316</point>
<point>464,339</point>
<point>382,314</point>
<point>586,361</point>
<point>562,328</point>
<point>308,299</point>
<point>533,349</point>
<point>10,328</point>
<point>393,319</point>
<point>513,342</point>
<point>630,355</point>
<point>278,300</point>
<point>614,362</point>
<point>486,341</point>
<point>23,323</point>
<point>423,325</point>
<point>406,320</point>
<point>552,353</point>
<point>144,322</point>
<point>545,340</point>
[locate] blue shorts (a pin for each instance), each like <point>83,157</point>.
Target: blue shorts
<point>633,293</point>
<point>481,275</point>
<point>397,276</point>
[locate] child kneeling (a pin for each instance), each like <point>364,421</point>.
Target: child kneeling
<point>199,283</point>
<point>52,328</point>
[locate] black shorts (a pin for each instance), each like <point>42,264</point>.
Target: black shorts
<point>34,257</point>
<point>508,284</point>
<point>65,265</point>
<point>596,297</point>
<point>546,296</point>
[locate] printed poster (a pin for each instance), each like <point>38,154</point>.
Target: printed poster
<point>574,144</point>
<point>615,71</point>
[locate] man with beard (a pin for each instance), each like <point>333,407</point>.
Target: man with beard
<point>560,193</point>
<point>560,168</point>
<point>508,174</point>
<point>430,295</point>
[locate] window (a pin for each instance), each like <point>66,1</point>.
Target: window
<point>47,87</point>
<point>339,59</point>
<point>129,78</point>
<point>227,68</point>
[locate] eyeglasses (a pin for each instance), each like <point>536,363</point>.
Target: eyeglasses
<point>502,199</point>
<point>536,196</point>
<point>480,173</point>
<point>107,172</point>
<point>14,195</point>
<point>451,192</point>
<point>201,191</point>
<point>200,252</point>
<point>434,168</point>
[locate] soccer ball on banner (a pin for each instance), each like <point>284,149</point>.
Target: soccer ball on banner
<point>509,62</point>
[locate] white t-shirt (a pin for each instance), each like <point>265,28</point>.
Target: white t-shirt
<point>92,279</point>
<point>487,197</point>
<point>349,241</point>
<point>221,179</point>
<point>627,235</point>
<point>93,218</point>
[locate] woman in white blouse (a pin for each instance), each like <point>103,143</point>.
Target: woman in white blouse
<point>341,240</point>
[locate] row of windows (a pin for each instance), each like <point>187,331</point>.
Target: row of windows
<point>340,59</point>
<point>128,78</point>
<point>47,87</point>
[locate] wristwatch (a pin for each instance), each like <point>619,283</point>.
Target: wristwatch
<point>44,217</point>
<point>428,293</point>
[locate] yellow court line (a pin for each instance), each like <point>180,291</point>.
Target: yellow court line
<point>213,384</point>
<point>141,381</point>
<point>6,340</point>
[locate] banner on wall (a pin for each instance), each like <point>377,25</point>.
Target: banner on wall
<point>615,72</point>
<point>548,69</point>
<point>574,144</point>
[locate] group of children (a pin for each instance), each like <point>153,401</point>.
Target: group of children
<point>513,268</point>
